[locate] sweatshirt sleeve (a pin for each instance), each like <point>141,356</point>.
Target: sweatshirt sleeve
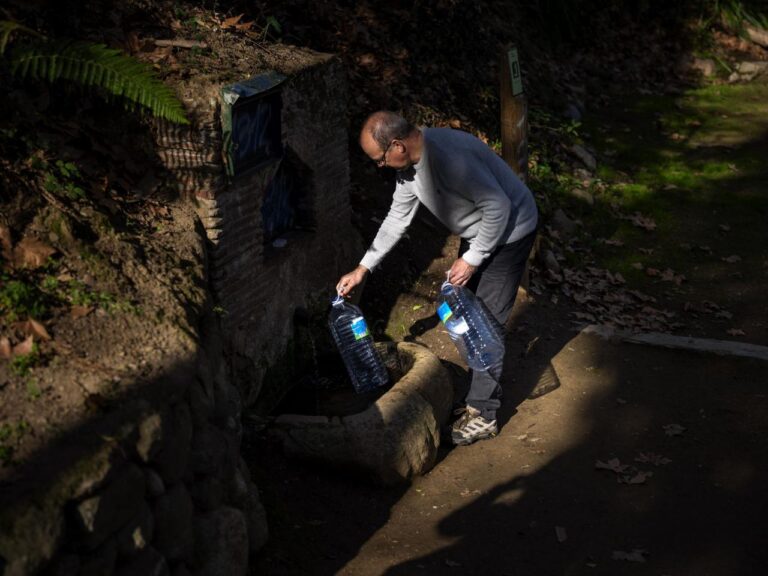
<point>400,215</point>
<point>494,207</point>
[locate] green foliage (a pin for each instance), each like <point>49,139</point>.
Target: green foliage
<point>62,178</point>
<point>33,389</point>
<point>95,65</point>
<point>10,434</point>
<point>274,24</point>
<point>23,363</point>
<point>20,299</point>
<point>7,27</point>
<point>736,13</point>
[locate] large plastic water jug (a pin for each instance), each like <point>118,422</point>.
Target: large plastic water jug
<point>355,344</point>
<point>476,333</point>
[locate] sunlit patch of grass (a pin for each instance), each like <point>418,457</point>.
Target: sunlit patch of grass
<point>688,163</point>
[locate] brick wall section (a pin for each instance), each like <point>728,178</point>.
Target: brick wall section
<point>259,289</point>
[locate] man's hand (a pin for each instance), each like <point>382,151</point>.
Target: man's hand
<point>460,272</point>
<point>349,281</point>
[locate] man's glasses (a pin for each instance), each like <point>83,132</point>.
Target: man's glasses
<point>382,160</point>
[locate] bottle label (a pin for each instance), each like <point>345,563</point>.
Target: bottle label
<point>444,311</point>
<point>359,328</point>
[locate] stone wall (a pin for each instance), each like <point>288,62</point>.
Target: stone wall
<point>258,287</point>
<point>150,483</point>
<point>156,485</point>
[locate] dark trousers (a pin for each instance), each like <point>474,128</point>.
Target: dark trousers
<point>496,282</point>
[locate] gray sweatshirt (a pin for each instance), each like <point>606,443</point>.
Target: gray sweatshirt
<point>468,187</point>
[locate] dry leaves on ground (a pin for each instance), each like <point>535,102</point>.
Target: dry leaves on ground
<point>32,253</point>
<point>674,429</point>
<point>637,555</point>
<point>625,473</point>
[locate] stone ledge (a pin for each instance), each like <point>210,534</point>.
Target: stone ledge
<point>395,438</point>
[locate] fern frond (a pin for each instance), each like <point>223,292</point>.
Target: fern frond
<point>8,26</point>
<point>95,65</point>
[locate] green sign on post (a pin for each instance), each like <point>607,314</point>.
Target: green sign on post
<point>514,72</point>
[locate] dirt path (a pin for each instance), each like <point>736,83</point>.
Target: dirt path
<point>644,461</point>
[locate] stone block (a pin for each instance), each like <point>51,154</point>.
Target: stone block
<point>66,565</point>
<point>221,543</point>
<point>209,447</point>
<point>150,437</point>
<point>29,538</point>
<point>395,438</point>
<point>207,493</point>
<point>155,484</point>
<point>100,562</point>
<point>173,457</point>
<point>149,562</point>
<point>103,514</point>
<point>135,536</point>
<point>173,523</point>
<point>256,520</point>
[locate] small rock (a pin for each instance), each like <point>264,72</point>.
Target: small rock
<point>572,112</point>
<point>563,223</point>
<point>584,156</point>
<point>582,194</point>
<point>551,262</point>
<point>706,66</point>
<point>752,68</point>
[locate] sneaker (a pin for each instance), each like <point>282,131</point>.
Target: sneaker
<point>471,427</point>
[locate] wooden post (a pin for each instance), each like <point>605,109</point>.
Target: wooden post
<point>514,114</point>
<point>514,129</point>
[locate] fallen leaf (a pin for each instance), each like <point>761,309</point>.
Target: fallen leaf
<point>637,555</point>
<point>25,347</point>
<point>731,259</point>
<point>614,465</point>
<point>736,332</point>
<point>639,477</point>
<point>417,307</point>
<point>652,272</point>
<point>561,534</point>
<point>230,22</point>
<point>648,251</point>
<point>80,311</point>
<point>245,26</point>
<point>668,275</point>
<point>32,327</point>
<point>5,347</point>
<point>613,242</point>
<point>642,221</point>
<point>652,458</point>
<point>673,429</point>
<point>452,564</point>
<point>725,228</point>
<point>32,253</point>
<point>6,246</point>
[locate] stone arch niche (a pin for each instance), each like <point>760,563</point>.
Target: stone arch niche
<point>266,162</point>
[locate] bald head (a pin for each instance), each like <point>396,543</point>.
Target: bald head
<point>384,126</point>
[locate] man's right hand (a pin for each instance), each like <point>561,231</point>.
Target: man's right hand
<point>349,281</point>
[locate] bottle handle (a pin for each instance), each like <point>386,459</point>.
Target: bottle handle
<point>338,300</point>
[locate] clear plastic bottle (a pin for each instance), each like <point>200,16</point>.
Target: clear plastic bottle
<point>355,345</point>
<point>473,329</point>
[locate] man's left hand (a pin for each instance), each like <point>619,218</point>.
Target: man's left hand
<point>461,272</point>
